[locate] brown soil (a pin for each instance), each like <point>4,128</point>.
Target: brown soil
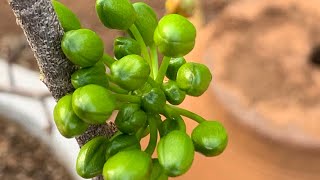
<point>25,157</point>
<point>261,52</point>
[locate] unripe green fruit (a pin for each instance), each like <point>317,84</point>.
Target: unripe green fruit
<point>146,21</point>
<point>67,122</point>
<point>173,93</point>
<point>130,72</point>
<point>116,14</point>
<point>82,47</point>
<point>194,78</point>
<point>91,75</point>
<point>153,100</point>
<point>210,138</point>
<point>124,46</point>
<point>175,35</point>
<point>120,143</point>
<point>175,153</point>
<point>67,18</point>
<point>173,67</point>
<point>93,104</point>
<point>91,157</point>
<point>130,164</point>
<point>130,118</point>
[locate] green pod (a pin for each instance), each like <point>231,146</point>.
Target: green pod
<point>67,18</point>
<point>93,104</point>
<point>153,100</point>
<point>157,172</point>
<point>175,153</point>
<point>82,47</point>
<point>130,118</point>
<point>173,93</point>
<point>130,164</point>
<point>91,75</point>
<point>194,78</point>
<point>116,14</point>
<point>173,67</point>
<point>167,126</point>
<point>91,159</point>
<point>130,72</point>
<point>67,122</point>
<point>210,138</point>
<point>124,46</point>
<point>120,143</point>
<point>146,21</point>
<point>175,35</point>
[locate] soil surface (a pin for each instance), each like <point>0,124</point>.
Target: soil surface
<point>265,54</point>
<point>25,157</point>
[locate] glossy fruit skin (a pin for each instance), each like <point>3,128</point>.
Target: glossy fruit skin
<point>128,165</point>
<point>153,100</point>
<point>67,18</point>
<point>124,46</point>
<point>168,126</point>
<point>173,93</point>
<point>210,138</point>
<point>157,171</point>
<point>93,104</point>
<point>194,78</point>
<point>175,35</point>
<point>91,157</point>
<point>130,72</point>
<point>67,122</point>
<point>146,21</point>
<point>82,47</point>
<point>90,75</point>
<point>175,153</point>
<point>130,118</point>
<point>116,14</point>
<point>173,67</point>
<point>120,143</point>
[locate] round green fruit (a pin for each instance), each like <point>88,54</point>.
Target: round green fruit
<point>173,93</point>
<point>175,153</point>
<point>153,100</point>
<point>67,122</point>
<point>82,47</point>
<point>130,118</point>
<point>93,104</point>
<point>120,143</point>
<point>194,78</point>
<point>116,14</point>
<point>175,35</point>
<point>130,164</point>
<point>173,67</point>
<point>91,157</point>
<point>210,138</point>
<point>130,72</point>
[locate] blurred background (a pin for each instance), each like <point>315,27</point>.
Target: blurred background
<point>265,60</point>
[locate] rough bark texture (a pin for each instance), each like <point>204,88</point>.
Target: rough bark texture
<point>44,33</point>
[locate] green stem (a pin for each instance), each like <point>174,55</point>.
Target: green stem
<point>170,113</point>
<point>142,132</point>
<point>107,60</point>
<point>134,30</point>
<point>163,69</point>
<point>115,135</point>
<point>186,113</point>
<point>153,135</point>
<point>115,88</point>
<point>127,98</point>
<point>152,82</point>
<point>154,60</point>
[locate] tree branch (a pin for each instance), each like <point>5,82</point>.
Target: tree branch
<point>44,33</point>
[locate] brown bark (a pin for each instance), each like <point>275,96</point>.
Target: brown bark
<point>44,33</point>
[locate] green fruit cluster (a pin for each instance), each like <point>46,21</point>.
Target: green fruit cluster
<point>133,86</point>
